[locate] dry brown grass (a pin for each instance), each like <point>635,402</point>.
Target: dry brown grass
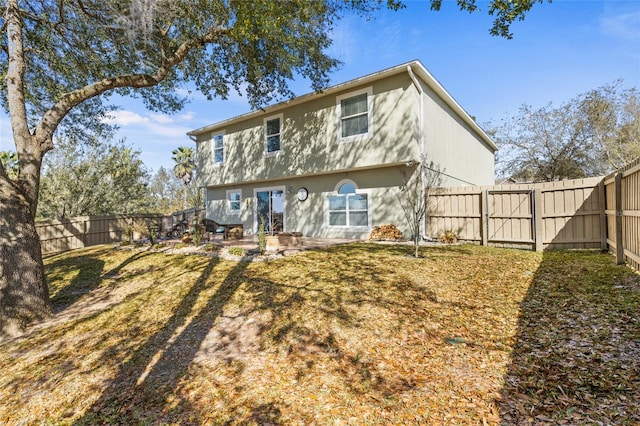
<point>356,334</point>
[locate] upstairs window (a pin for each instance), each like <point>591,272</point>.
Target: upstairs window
<point>273,134</point>
<point>218,149</point>
<point>348,208</point>
<point>354,111</point>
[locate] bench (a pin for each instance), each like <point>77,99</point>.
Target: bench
<point>224,229</point>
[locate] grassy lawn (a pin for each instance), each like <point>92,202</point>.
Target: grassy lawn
<point>355,334</point>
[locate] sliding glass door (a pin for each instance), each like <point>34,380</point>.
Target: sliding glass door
<point>270,209</point>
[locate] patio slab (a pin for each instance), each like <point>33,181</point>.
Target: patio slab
<point>308,243</point>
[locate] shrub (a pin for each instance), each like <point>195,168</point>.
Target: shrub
<point>262,237</point>
<point>449,236</point>
<point>236,251</point>
<point>210,247</point>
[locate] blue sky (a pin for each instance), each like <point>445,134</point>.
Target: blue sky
<point>560,50</point>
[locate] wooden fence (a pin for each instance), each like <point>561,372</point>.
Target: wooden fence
<point>551,215</point>
<point>598,212</point>
<point>582,213</point>
<point>622,190</point>
<point>84,231</point>
<point>68,234</point>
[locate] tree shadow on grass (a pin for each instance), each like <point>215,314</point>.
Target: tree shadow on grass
<point>89,275</point>
<point>147,380</point>
<point>576,358</point>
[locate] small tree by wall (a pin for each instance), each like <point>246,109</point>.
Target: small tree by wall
<point>418,181</point>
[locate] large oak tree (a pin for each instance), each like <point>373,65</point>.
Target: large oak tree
<point>61,59</point>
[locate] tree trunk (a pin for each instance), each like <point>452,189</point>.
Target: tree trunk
<point>24,294</point>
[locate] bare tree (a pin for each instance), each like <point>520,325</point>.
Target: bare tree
<point>589,135</point>
<point>418,182</point>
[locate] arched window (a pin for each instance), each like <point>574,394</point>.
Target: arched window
<point>347,206</point>
<point>347,188</point>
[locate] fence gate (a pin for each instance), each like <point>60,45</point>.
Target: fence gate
<point>510,218</point>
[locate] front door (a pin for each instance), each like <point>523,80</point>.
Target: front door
<point>270,209</point>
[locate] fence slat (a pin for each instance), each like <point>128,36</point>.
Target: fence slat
<point>84,231</point>
<point>566,214</point>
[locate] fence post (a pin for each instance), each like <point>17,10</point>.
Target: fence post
<point>484,219</point>
<point>537,220</point>
<point>602,202</point>
<point>618,222</point>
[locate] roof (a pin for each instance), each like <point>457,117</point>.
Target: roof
<point>416,66</point>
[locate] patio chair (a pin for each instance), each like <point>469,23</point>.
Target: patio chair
<point>219,229</point>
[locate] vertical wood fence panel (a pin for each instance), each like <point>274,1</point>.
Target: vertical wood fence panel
<point>573,214</point>
<point>551,215</point>
<point>623,214</point>
<point>84,231</point>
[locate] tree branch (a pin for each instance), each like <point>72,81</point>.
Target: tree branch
<point>58,111</point>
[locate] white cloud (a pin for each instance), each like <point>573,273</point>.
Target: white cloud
<point>624,25</point>
<point>187,116</point>
<point>125,118</point>
<point>161,118</point>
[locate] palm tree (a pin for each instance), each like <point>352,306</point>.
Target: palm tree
<point>184,168</point>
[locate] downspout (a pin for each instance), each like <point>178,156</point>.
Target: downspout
<point>423,156</point>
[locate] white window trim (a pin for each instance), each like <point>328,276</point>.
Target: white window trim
<point>264,127</point>
<point>229,210</point>
<point>363,136</point>
<point>255,206</point>
<point>213,148</point>
<point>327,221</point>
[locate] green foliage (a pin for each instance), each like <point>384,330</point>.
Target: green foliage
<point>104,178</point>
<point>262,237</point>
<point>210,247</point>
<point>196,234</point>
<point>184,168</point>
<point>166,192</point>
<point>71,46</point>
<point>9,161</point>
<point>505,13</point>
<point>236,251</point>
<point>184,158</point>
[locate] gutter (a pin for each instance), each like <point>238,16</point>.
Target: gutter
<point>423,153</point>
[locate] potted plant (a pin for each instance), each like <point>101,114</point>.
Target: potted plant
<point>272,243</point>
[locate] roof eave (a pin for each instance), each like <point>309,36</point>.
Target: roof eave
<point>416,65</point>
<point>304,98</point>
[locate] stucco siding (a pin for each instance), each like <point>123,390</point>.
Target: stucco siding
<point>310,141</point>
<point>310,217</point>
<point>450,143</point>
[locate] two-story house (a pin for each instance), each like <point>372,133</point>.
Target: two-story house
<point>331,164</point>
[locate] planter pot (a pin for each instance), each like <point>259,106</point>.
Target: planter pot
<point>273,243</point>
<point>290,239</point>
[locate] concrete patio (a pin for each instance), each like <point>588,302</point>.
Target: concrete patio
<point>250,243</point>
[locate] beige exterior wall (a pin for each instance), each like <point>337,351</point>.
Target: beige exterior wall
<point>310,142</point>
<point>403,121</point>
<point>311,216</point>
<point>449,142</point>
